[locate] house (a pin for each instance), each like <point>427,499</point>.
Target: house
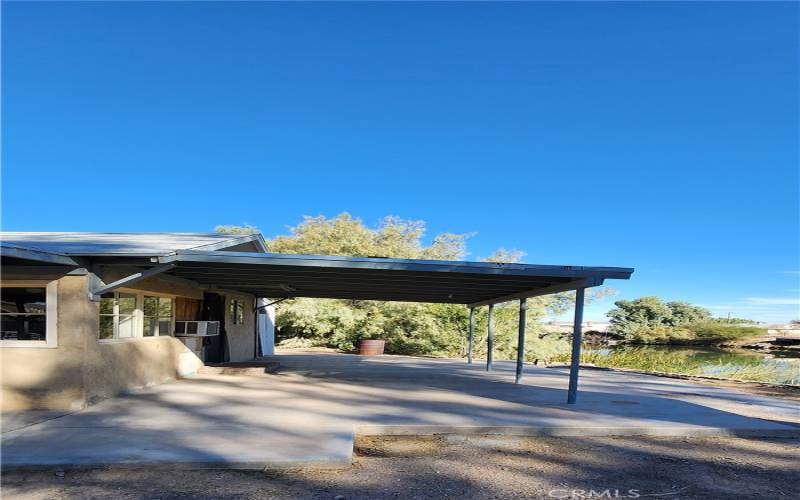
<point>87,316</point>
<point>63,349</point>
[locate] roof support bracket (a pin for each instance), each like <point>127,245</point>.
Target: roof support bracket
<point>558,288</point>
<point>260,308</point>
<point>98,288</point>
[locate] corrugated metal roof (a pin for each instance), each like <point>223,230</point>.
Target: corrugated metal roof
<point>222,261</point>
<point>129,244</point>
<point>371,278</point>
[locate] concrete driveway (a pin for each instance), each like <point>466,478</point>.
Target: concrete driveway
<point>308,412</point>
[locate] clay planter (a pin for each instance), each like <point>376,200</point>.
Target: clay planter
<point>370,347</point>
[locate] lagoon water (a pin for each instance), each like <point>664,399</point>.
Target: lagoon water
<point>775,366</point>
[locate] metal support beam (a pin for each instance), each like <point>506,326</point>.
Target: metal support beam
<point>257,309</point>
<point>575,362</point>
<point>556,288</point>
<point>490,339</point>
<point>470,340</point>
<point>523,308</point>
<point>96,288</point>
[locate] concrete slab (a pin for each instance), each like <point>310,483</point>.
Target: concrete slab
<point>14,420</point>
<point>307,412</point>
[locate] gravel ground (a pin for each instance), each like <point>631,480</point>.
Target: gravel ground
<point>488,467</point>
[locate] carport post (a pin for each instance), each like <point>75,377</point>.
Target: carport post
<point>471,334</point>
<point>489,339</point>
<point>572,394</point>
<point>523,308</point>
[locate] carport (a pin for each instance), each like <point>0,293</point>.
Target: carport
<point>474,284</point>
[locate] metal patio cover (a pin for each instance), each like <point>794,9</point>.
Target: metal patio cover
<point>375,278</point>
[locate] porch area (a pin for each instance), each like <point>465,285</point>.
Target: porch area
<point>307,412</point>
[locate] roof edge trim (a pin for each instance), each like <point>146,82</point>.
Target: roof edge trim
<point>395,264</point>
<point>26,253</point>
<point>256,238</point>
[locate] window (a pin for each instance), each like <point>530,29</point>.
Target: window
<point>126,315</point>
<point>237,312</point>
<point>24,314</point>
<point>28,315</point>
<point>117,315</point>
<point>157,316</point>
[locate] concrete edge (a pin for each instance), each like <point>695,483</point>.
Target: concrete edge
<point>335,460</point>
<point>428,430</point>
<point>345,460</point>
<point>328,464</point>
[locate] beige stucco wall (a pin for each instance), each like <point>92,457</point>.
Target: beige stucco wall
<point>82,370</point>
<point>40,377</point>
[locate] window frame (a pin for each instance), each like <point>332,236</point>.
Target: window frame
<point>116,315</point>
<point>51,315</point>
<point>237,306</point>
<point>158,317</point>
<point>138,316</point>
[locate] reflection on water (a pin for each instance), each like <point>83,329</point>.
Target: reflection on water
<point>781,367</point>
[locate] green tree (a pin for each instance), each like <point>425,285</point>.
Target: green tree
<point>631,315</point>
<point>684,313</point>
<point>244,229</point>
<point>650,320</point>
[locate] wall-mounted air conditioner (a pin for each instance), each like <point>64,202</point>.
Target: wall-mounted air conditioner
<point>196,328</point>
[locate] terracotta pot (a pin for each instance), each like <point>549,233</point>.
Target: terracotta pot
<point>370,347</point>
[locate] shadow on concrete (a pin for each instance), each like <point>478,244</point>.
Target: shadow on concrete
<point>306,413</point>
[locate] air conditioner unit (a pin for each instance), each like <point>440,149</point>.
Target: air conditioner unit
<point>196,328</point>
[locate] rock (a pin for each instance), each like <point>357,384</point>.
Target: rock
<point>60,473</point>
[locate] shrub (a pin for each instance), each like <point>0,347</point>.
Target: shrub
<point>298,343</point>
<point>658,334</point>
<point>713,332</point>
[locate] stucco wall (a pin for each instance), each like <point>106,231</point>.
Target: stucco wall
<point>40,377</point>
<point>81,370</point>
<point>241,338</point>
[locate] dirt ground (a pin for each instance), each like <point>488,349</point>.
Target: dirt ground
<point>487,467</point>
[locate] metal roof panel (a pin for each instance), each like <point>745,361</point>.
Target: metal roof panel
<point>124,244</point>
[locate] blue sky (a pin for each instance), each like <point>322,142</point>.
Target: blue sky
<point>657,136</point>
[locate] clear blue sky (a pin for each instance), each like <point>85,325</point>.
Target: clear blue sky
<point>658,136</point>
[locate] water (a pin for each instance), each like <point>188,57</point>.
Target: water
<point>776,366</point>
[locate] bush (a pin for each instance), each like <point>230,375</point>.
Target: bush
<point>658,334</point>
<point>712,332</point>
<point>704,332</point>
<point>298,343</point>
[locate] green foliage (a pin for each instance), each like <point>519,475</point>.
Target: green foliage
<point>656,334</point>
<point>344,235</point>
<point>691,362</point>
<point>648,320</point>
<point>712,332</point>
<point>244,229</point>
<point>684,313</point>
<point>734,321</point>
